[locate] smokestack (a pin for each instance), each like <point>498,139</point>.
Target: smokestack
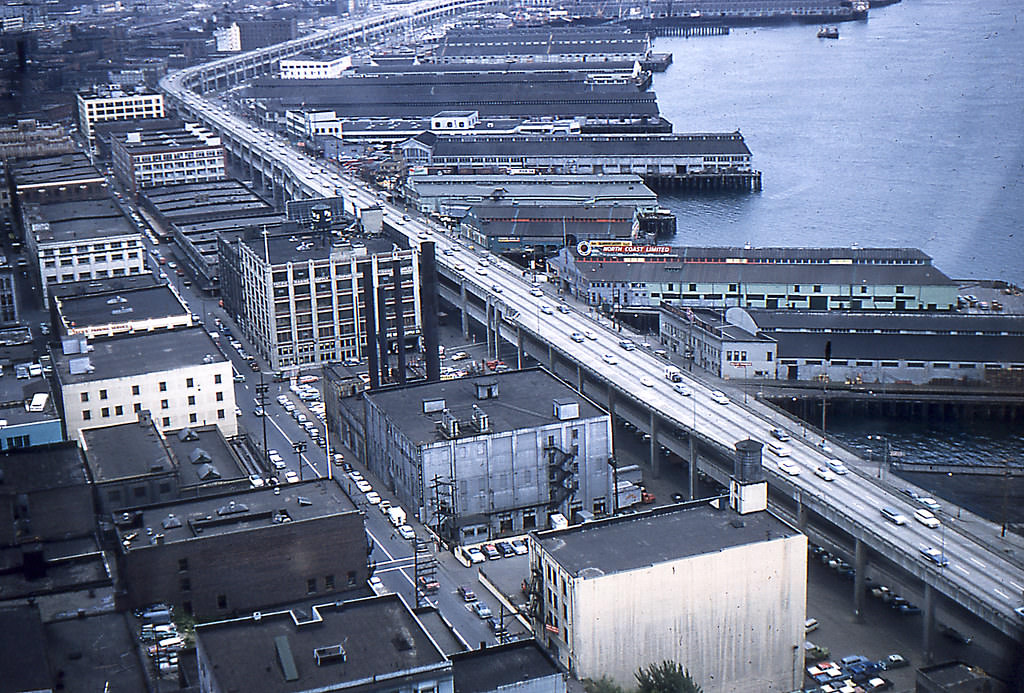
<point>396,273</point>
<point>428,309</point>
<point>370,316</point>
<point>382,333</point>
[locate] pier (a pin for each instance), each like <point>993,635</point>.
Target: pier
<point>741,181</point>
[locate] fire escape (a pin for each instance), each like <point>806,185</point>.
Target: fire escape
<point>425,571</point>
<point>562,474</point>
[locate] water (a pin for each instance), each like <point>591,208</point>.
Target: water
<point>907,131</point>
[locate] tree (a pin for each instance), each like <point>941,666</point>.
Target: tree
<point>667,677</point>
<point>601,685</point>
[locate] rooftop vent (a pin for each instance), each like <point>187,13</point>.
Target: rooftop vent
<point>232,508</point>
<point>431,406</point>
<point>80,366</point>
<point>285,658</point>
<point>171,521</point>
<point>199,456</point>
<point>187,434</point>
<point>207,472</point>
<point>481,419</point>
<point>566,409</point>
<point>449,423</point>
<point>486,389</point>
<point>329,654</point>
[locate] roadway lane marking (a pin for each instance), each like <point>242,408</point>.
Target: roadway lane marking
<point>1015,585</point>
<point>976,562</point>
<point>962,569</point>
<point>1001,593</point>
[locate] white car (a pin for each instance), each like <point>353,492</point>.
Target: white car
<point>590,335</point>
<point>647,381</point>
<point>576,337</point>
<point>837,466</point>
<point>778,449</point>
<point>475,555</point>
<point>256,480</point>
<point>281,399</point>
<point>610,359</point>
<point>926,518</point>
<point>825,473</point>
<point>535,291</point>
<point>376,585</point>
<point>406,532</point>
<point>373,498</point>
<point>291,477</point>
<point>719,396</point>
<point>682,390</point>
<point>789,467</point>
<point>364,486</point>
<point>546,310</point>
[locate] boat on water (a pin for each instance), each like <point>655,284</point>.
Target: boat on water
<point>829,32</point>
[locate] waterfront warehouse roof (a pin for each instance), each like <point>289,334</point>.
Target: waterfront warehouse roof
<point>214,200</point>
<point>582,221</point>
<point>634,541</point>
<point>379,636</point>
<point>525,400</point>
<point>871,322</point>
<point>138,354</point>
<point>662,146</point>
<point>799,255</point>
<point>510,665</point>
<point>963,348</point>
<point>78,220</point>
<point>239,512</point>
<point>120,306</point>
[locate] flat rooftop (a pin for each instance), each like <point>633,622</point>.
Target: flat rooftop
<point>525,400</point>
<point>629,542</point>
<point>239,512</point>
<point>23,650</point>
<point>96,286</point>
<point>149,141</point>
<point>104,451</point>
<point>15,393</point>
<point>284,248</point>
<point>49,170</point>
<point>513,664</point>
<point>379,636</point>
<point>91,652</point>
<point>198,446</point>
<point>80,220</point>
<point>138,354</point>
<point>41,469</point>
<point>109,307</point>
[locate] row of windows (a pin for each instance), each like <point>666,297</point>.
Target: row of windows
<point>90,247</point>
<point>51,277</point>
<point>118,410</point>
<point>88,260</point>
<point>161,386</point>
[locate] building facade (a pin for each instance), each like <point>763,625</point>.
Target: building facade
<point>690,584</point>
<point>30,138</point>
<point>475,463</point>
<point>112,103</point>
<point>150,159</point>
<point>711,341</point>
<point>543,229</point>
<point>179,376</point>
<point>305,306</point>
<point>869,279</point>
<point>307,67</point>
<point>57,179</point>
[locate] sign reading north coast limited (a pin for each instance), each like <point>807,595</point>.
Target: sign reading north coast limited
<point>591,248</point>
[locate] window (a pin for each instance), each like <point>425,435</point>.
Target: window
<point>86,415</point>
<point>166,421</point>
<point>135,389</point>
<point>85,396</point>
<point>185,584</point>
<point>329,582</point>
<point>311,586</point>
<point>103,394</point>
<point>164,404</point>
<point>137,407</point>
<point>182,565</point>
<point>222,601</point>
<point>220,413</point>
<point>163,386</point>
<point>220,396</point>
<point>351,578</point>
<point>189,382</point>
<point>192,418</point>
<point>118,410</point>
<point>216,379</point>
<point>191,400</point>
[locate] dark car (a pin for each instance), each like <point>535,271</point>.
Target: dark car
<point>496,625</point>
<point>910,493</point>
<point>467,594</point>
<point>428,585</point>
<point>506,549</point>
<point>491,551</point>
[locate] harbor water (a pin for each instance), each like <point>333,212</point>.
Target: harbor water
<point>906,131</point>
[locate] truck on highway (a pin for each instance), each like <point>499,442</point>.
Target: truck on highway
<point>673,374</point>
<point>396,516</point>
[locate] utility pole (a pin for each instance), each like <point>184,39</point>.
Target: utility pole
<point>261,398</point>
<point>299,447</point>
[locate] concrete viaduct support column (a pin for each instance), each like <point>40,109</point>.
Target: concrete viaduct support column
<point>611,413</point>
<point>579,378</point>
<point>519,347</point>
<point>463,307</point>
<point>801,513</point>
<point>692,476</point>
<point>488,312</point>
<point>859,566</point>
<point>655,452</point>
<point>928,624</point>
<point>551,358</point>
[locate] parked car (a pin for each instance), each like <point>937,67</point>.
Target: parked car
<point>505,548</point>
<point>894,661</point>
<point>956,636</point>
<point>467,594</point>
<point>482,610</point>
<point>475,555</point>
<point>491,551</point>
<point>406,532</point>
<point>520,547</point>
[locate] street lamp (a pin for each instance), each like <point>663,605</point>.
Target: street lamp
<point>883,462</point>
<point>261,398</point>
<point>299,447</point>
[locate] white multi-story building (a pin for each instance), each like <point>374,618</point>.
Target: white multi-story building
<point>113,103</point>
<point>307,67</point>
<point>229,39</point>
<point>84,239</point>
<point>719,592</point>
<point>145,159</point>
<point>178,375</point>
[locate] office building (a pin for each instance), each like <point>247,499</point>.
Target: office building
<point>81,240</point>
<point>113,103</point>
<point>179,375</point>
<point>257,33</point>
<point>30,139</point>
<point>721,593</point>
<point>375,645</point>
<point>229,39</point>
<point>640,278</point>
<point>29,417</point>
<point>299,298</point>
<point>168,157</point>
<point>477,458</point>
<point>302,540</point>
<point>8,296</point>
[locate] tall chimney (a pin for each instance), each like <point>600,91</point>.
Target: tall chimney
<point>428,309</point>
<point>382,332</point>
<point>370,316</point>
<point>396,273</point>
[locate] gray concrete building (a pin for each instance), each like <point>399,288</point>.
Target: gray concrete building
<point>869,279</point>
<point>722,593</point>
<point>30,138</point>
<point>299,298</point>
<point>477,458</point>
<point>543,229</point>
<point>376,645</point>
<point>152,158</point>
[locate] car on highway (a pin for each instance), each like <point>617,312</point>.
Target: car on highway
<point>837,466</point>
<point>910,493</point>
<point>482,610</point>
<point>626,345</point>
<point>577,337</point>
<point>291,477</point>
<point>789,467</point>
<point>929,503</point>
<point>562,308</point>
<point>546,310</point>
<point>780,435</point>
<point>926,518</point>
<point>590,335</point>
<point>894,516</point>
<point>934,555</point>
<point>778,449</point>
<point>495,288</point>
<point>475,555</point>
<point>682,390</point>
<point>647,381</point>
<point>719,396</point>
<point>482,271</point>
<point>406,532</point>
<point>609,359</point>
<point>535,291</point>
<point>825,473</point>
<point>466,593</point>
